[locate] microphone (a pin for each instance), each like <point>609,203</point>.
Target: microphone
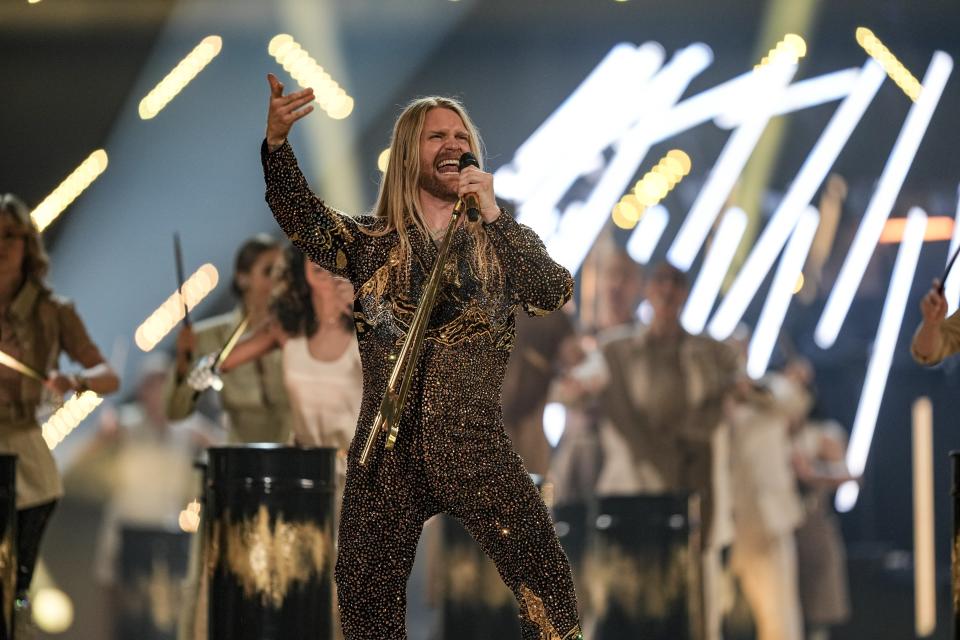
<point>470,200</point>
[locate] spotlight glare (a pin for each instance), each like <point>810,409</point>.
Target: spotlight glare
<point>68,417</point>
<point>74,184</point>
<point>330,97</point>
<point>179,77</point>
<point>166,316</point>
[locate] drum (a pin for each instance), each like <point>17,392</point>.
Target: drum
<point>8,542</point>
<point>152,566</point>
<point>642,567</point>
<point>269,538</point>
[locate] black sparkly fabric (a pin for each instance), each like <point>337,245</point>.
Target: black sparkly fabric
<point>452,454</point>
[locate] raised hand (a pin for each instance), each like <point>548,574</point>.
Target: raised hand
<point>934,305</point>
<point>284,110</point>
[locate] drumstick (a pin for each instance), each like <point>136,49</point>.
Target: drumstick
<point>12,363</point>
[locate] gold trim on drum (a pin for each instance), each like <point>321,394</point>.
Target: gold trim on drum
<point>268,560</point>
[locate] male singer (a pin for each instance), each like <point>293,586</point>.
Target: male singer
<point>452,454</point>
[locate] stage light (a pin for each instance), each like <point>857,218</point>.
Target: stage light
<point>894,68</point>
<point>68,190</point>
<point>383,160</point>
<point>888,186</point>
<point>181,75</point>
<point>939,228</point>
<point>798,286</point>
<point>305,70</point>
<point>715,266</point>
<point>189,519</point>
<point>167,315</point>
<point>554,422</point>
<point>68,417</point>
<point>782,288</point>
<point>878,368</point>
<point>651,188</point>
<point>52,610</point>
<point>788,50</point>
<point>952,286</point>
<point>643,241</point>
<point>693,232</point>
<point>811,175</point>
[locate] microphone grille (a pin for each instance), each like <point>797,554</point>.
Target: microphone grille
<point>468,160</point>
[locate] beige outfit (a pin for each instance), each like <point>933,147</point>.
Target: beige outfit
<point>664,432</point>
<point>253,395</point>
<point>35,329</point>
<point>767,508</point>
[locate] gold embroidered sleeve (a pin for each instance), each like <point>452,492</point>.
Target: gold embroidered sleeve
<point>536,282</point>
<point>328,237</point>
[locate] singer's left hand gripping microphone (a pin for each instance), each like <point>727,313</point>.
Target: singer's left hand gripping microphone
<point>470,200</point>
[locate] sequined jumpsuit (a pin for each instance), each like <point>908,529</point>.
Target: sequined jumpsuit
<point>452,454</point>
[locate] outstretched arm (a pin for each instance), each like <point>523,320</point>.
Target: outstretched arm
<point>326,236</point>
<point>253,346</point>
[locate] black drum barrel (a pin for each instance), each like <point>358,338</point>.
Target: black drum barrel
<point>152,565</point>
<point>270,550</point>
<point>8,542</point>
<point>643,567</point>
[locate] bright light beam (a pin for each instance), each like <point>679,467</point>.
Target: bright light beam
<point>952,285</point>
<point>715,266</point>
<point>865,422</point>
<point>798,196</point>
<point>693,232</point>
<point>646,235</point>
<point>781,293</point>
<point>891,180</point>
<point>801,95</point>
<point>578,230</point>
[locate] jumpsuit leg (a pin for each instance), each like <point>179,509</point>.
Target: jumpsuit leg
<point>499,505</point>
<point>380,522</point>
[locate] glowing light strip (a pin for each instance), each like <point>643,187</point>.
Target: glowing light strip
<point>296,61</point>
<point>865,422</point>
<point>165,318</point>
<point>952,285</point>
<point>68,190</point>
<point>68,417</point>
<point>715,266</point>
<point>566,141</point>
<point>800,95</point>
<point>578,229</point>
<point>643,241</point>
<point>781,293</point>
<point>728,167</point>
<point>894,68</point>
<point>180,76</point>
<point>798,196</point>
<point>924,545</point>
<point>891,180</point>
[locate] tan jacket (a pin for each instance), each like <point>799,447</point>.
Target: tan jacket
<point>253,395</point>
<point>35,329</point>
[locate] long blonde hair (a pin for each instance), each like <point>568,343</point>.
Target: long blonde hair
<point>398,200</point>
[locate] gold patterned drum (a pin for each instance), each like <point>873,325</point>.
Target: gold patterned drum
<point>270,552</point>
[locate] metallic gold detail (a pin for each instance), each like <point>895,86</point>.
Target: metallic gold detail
<point>341,259</point>
<point>398,384</point>
<point>637,588</point>
<point>268,560</point>
<point>531,608</point>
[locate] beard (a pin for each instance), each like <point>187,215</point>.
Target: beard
<point>436,187</point>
